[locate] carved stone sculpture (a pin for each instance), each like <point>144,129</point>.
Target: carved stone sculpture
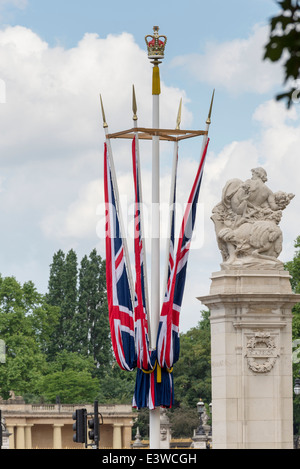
<point>262,352</point>
<point>246,223</point>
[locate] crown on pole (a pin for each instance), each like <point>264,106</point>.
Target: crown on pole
<point>156,45</point>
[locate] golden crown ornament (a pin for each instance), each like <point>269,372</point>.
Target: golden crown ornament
<point>156,45</point>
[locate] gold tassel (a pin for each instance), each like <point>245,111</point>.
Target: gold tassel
<point>156,80</point>
<point>158,375</point>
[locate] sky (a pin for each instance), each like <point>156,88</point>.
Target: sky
<point>56,57</point>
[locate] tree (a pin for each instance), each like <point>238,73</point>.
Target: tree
<point>93,310</point>
<point>70,377</point>
<point>81,296</point>
<point>192,373</point>
<point>73,387</point>
<point>68,309</point>
<point>294,269</point>
<point>116,385</point>
<point>62,292</point>
<point>284,43</point>
<point>25,361</point>
<point>55,293</point>
<point>184,421</point>
<point>55,297</point>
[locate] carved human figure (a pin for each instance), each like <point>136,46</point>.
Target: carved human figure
<point>247,218</point>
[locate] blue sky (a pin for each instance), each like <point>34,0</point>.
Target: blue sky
<point>57,56</point>
<point>189,26</point>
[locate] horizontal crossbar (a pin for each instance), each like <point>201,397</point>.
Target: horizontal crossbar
<point>173,135</point>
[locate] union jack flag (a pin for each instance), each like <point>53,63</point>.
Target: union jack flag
<point>128,317</point>
<point>154,387</point>
<point>168,343</point>
<point>119,296</point>
<point>141,301</point>
<point>171,252</point>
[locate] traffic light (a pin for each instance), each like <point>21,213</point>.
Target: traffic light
<point>93,424</point>
<point>79,426</point>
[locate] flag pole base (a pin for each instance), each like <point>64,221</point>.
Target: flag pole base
<point>154,428</point>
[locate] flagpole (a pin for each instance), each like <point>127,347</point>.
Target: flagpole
<point>155,53</point>
<point>171,203</point>
<point>208,122</point>
<point>135,119</point>
<point>114,182</point>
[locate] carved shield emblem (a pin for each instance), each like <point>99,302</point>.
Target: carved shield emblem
<point>262,352</point>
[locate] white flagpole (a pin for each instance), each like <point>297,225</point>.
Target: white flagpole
<point>116,190</point>
<point>155,54</point>
<point>135,119</point>
<point>171,207</point>
<point>155,262</point>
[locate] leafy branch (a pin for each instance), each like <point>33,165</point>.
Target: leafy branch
<point>284,42</point>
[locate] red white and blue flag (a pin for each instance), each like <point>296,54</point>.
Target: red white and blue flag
<point>129,318</point>
<point>168,342</point>
<point>141,300</point>
<point>119,295</point>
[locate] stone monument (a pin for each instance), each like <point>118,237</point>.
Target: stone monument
<point>250,302</point>
<point>165,430</point>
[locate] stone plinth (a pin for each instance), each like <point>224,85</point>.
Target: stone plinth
<point>251,352</point>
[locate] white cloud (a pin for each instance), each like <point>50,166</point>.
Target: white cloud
<point>51,141</point>
<point>51,146</point>
<point>236,65</point>
<point>52,102</point>
<point>15,3</point>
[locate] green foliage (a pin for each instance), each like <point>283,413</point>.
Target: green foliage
<point>73,387</point>
<point>59,343</point>
<point>294,269</point>
<point>284,43</point>
<point>92,312</point>
<point>44,359</point>
<point>116,386</point>
<point>80,294</point>
<point>184,421</point>
<point>25,361</point>
<point>141,421</point>
<point>192,375</point>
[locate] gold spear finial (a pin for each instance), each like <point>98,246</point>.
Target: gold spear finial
<point>134,105</point>
<point>208,122</point>
<point>103,113</point>
<point>179,116</point>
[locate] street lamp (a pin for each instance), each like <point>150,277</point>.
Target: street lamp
<point>297,385</point>
<point>200,409</point>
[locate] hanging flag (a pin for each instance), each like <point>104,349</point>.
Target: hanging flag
<point>168,343</point>
<point>144,395</point>
<point>141,301</point>
<point>154,387</point>
<point>119,297</point>
<point>171,246</point>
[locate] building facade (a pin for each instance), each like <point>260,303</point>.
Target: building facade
<point>50,426</point>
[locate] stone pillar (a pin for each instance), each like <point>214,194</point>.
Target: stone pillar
<point>127,436</point>
<point>28,436</point>
<point>251,353</point>
<point>117,436</point>
<point>57,437</point>
<point>165,430</point>
<point>20,436</point>
<point>11,430</point>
